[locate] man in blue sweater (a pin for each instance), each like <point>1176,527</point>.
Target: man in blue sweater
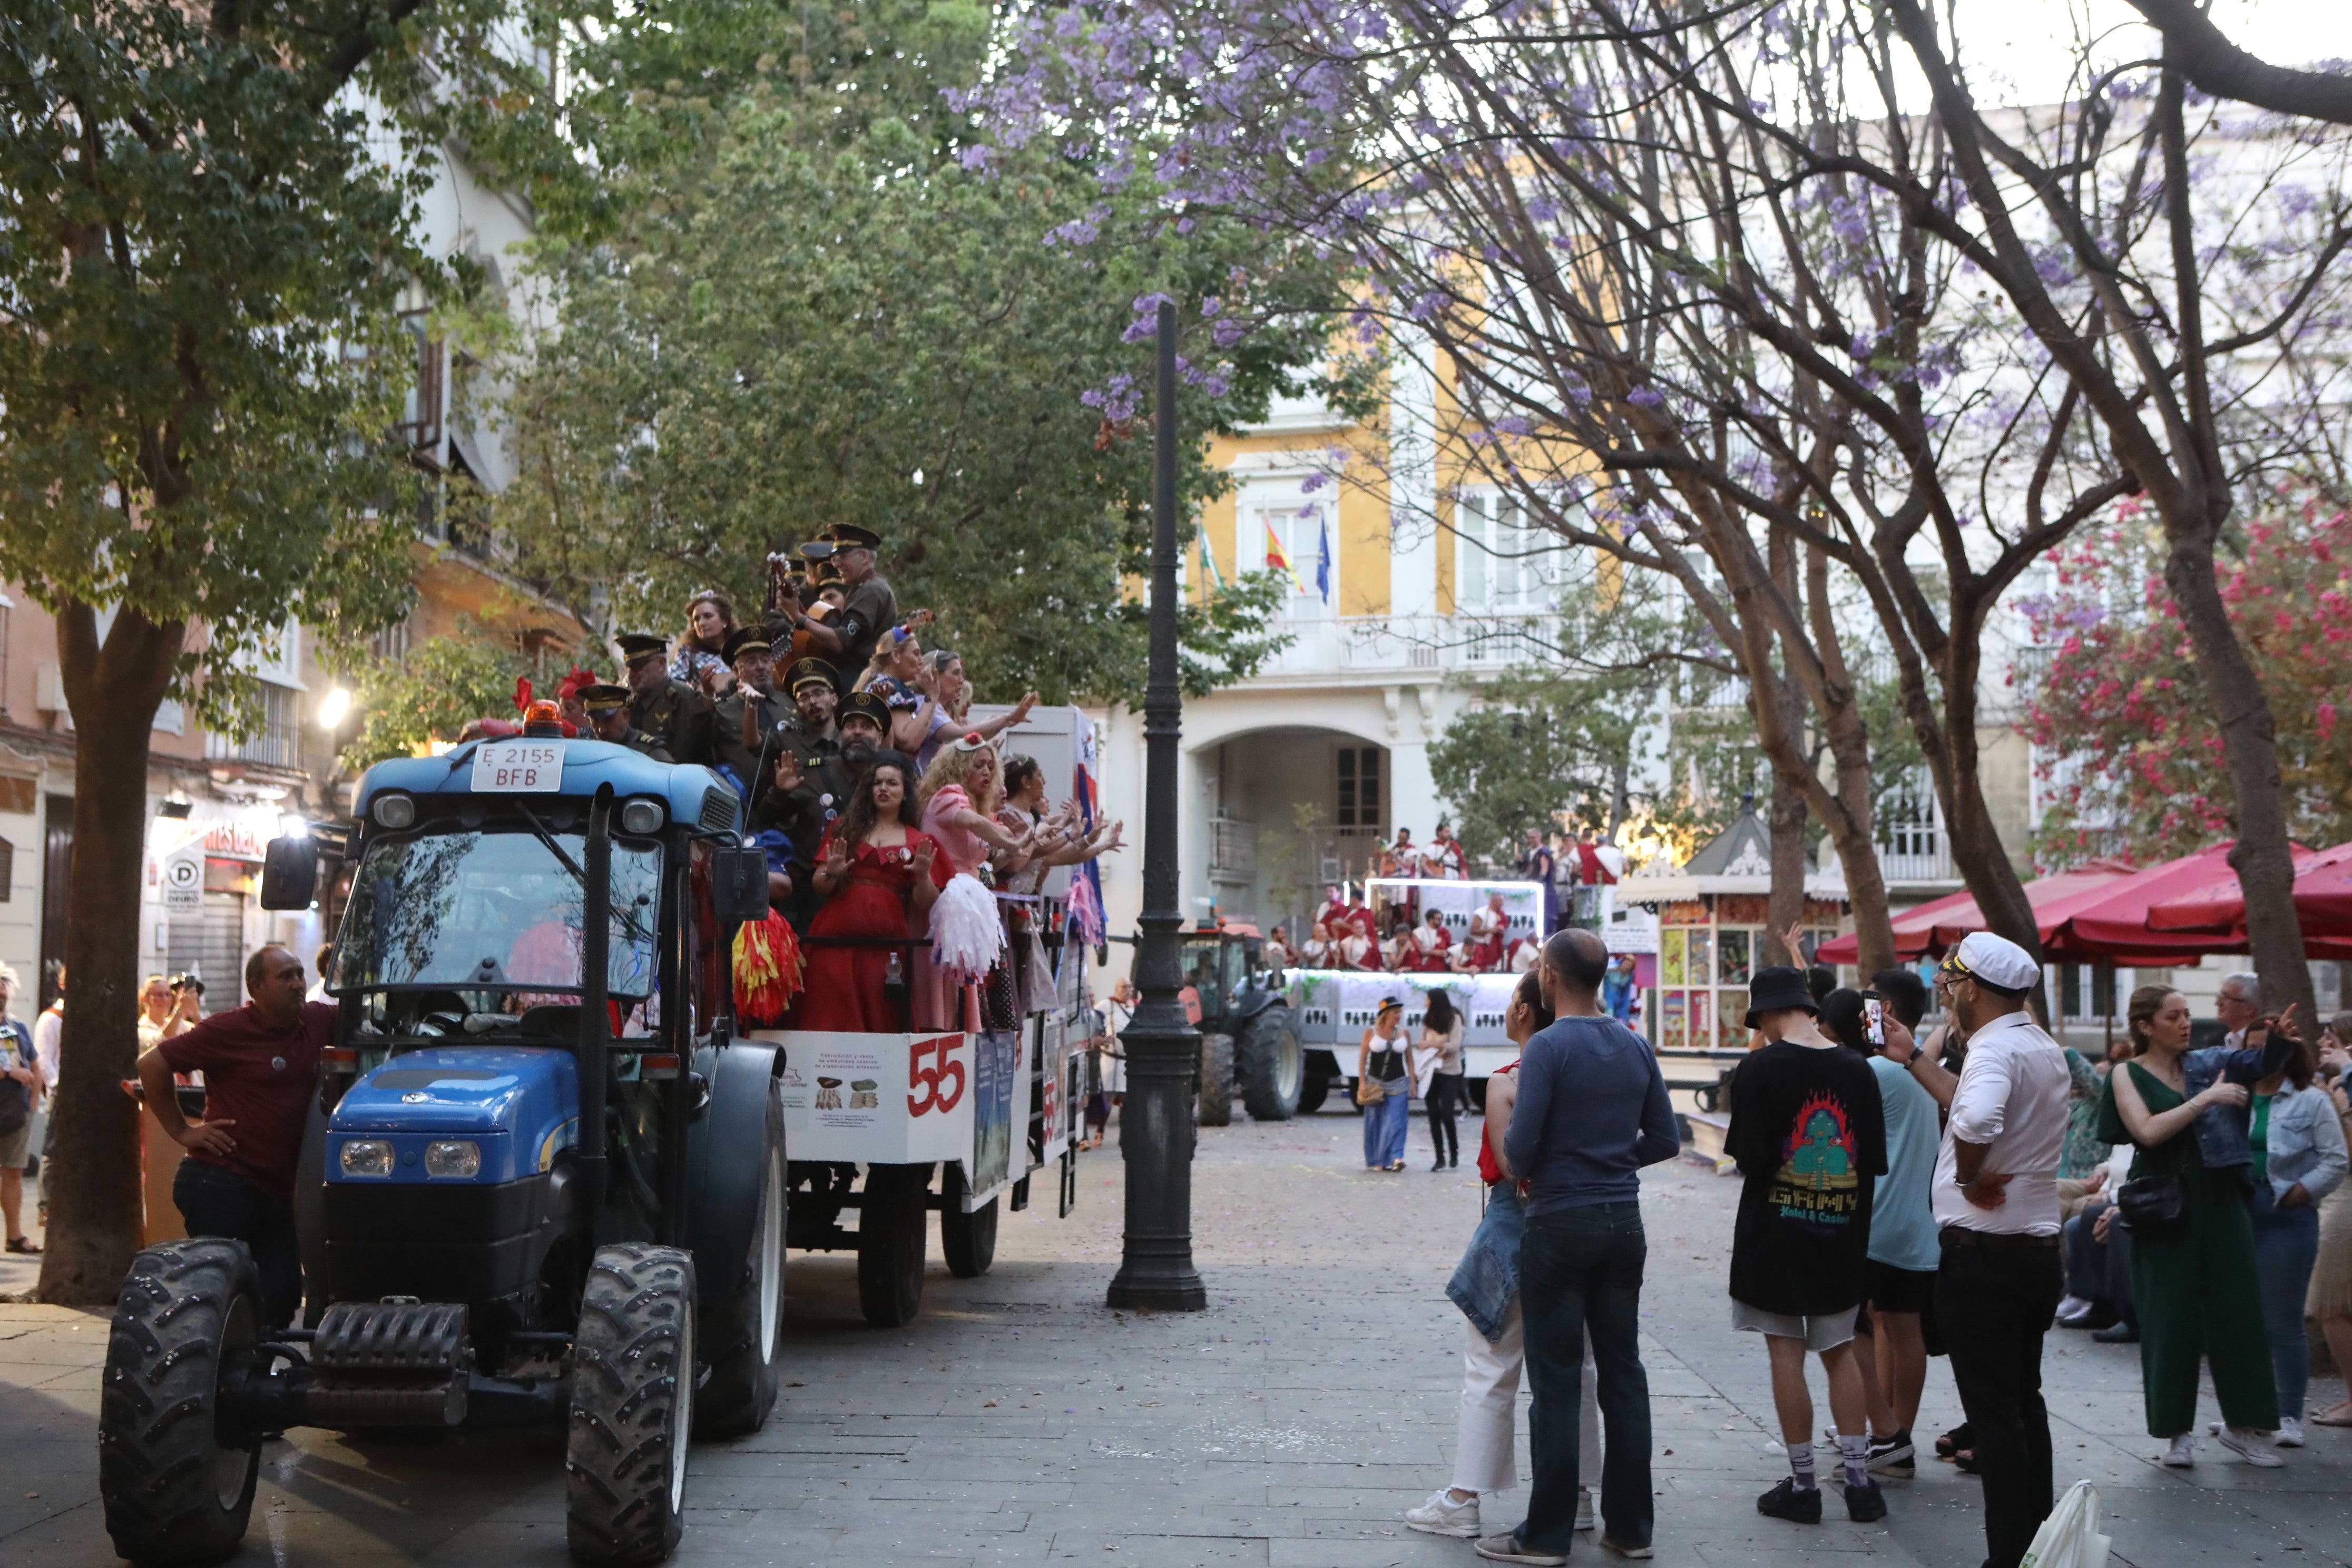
<point>1590,1112</point>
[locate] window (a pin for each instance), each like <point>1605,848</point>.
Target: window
<point>7,869</point>
<point>1506,566</point>
<point>1298,533</point>
<point>1360,787</point>
<point>420,417</point>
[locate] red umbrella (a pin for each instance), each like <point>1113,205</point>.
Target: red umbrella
<point>2323,899</point>
<point>1932,929</point>
<point>2110,921</point>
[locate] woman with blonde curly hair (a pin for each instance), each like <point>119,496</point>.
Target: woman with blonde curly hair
<point>959,794</point>
<point>702,659</point>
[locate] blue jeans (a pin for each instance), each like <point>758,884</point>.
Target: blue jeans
<point>1581,1272</point>
<point>1385,1125</point>
<point>2286,1245</point>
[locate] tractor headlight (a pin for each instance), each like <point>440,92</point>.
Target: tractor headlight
<point>394,811</point>
<point>456,1158</point>
<point>367,1157</point>
<point>641,817</point>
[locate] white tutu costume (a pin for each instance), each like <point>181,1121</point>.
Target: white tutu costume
<point>966,935</point>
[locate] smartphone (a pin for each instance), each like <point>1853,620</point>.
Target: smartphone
<point>1874,1018</point>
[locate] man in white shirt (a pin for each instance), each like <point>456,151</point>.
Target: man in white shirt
<point>2239,1005</point>
<point>1995,1197</point>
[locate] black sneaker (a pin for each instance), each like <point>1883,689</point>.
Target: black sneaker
<point>1894,1456</point>
<point>1864,1504</point>
<point>1785,1501</point>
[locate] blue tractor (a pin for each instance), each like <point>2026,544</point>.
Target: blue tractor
<point>552,1180</point>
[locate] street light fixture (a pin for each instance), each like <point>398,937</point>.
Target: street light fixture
<point>334,707</point>
<point>1163,1049</point>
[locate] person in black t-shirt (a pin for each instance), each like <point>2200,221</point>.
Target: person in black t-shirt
<point>1809,1134</point>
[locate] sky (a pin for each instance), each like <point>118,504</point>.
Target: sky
<point>2029,41</point>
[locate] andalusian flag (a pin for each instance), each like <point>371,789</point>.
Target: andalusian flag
<point>1209,559</point>
<point>1278,560</point>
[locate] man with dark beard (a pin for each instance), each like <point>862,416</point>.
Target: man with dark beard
<point>807,798</point>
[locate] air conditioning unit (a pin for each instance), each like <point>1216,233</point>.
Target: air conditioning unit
<point>49,694</point>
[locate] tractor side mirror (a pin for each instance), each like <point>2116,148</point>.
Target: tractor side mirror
<point>290,872</point>
<point>739,886</point>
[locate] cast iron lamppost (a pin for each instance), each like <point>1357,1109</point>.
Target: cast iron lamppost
<point>1163,1049</point>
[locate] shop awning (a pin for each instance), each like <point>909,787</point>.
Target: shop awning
<point>2323,900</point>
<point>1929,930</point>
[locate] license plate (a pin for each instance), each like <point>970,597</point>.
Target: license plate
<point>514,767</point>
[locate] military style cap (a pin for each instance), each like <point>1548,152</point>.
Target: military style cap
<point>825,574</point>
<point>638,646</point>
<point>811,672</point>
<point>849,536</point>
<point>864,705</point>
<point>603,698</point>
<point>818,550</point>
<point>748,639</point>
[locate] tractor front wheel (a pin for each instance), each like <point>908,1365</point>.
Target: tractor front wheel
<point>743,1330</point>
<point>177,1493</point>
<point>632,1376</point>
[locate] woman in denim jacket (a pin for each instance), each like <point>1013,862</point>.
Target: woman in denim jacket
<point>1486,1288</point>
<point>2298,1159</point>
<point>2194,1284</point>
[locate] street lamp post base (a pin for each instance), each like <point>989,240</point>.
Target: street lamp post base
<point>1170,1293</point>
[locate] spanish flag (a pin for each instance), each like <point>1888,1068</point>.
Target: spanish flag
<point>1278,560</point>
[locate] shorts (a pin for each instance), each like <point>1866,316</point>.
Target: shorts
<point>17,1147</point>
<point>1820,1330</point>
<point>1892,1289</point>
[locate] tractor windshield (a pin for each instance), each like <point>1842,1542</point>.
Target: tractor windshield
<point>493,911</point>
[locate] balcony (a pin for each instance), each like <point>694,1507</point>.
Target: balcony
<point>1232,850</point>
<point>276,744</point>
<point>1410,646</point>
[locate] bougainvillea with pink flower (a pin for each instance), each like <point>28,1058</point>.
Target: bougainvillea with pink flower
<point>2129,752</point>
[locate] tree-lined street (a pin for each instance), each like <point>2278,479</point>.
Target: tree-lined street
<point>1020,1421</point>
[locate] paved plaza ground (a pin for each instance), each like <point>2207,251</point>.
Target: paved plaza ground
<point>1018,1421</point>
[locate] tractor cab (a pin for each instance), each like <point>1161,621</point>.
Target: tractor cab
<point>1249,1035</point>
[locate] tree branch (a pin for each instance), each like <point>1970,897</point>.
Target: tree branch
<point>2204,54</point>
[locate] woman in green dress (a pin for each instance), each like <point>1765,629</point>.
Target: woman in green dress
<point>2194,1283</point>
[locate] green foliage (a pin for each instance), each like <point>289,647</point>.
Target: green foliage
<point>200,359</point>
<point>801,308</point>
<point>443,685</point>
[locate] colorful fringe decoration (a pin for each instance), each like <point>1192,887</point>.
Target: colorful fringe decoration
<point>767,971</point>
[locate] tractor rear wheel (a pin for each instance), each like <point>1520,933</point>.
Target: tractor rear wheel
<point>891,1244</point>
<point>743,1331</point>
<point>177,1494</point>
<point>1216,1081</point>
<point>968,1239</point>
<point>1271,1064</point>
<point>633,1375</point>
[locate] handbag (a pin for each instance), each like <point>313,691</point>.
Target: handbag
<point>2151,1204</point>
<point>1370,1090</point>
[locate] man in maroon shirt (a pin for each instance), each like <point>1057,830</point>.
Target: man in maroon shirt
<point>260,1064</point>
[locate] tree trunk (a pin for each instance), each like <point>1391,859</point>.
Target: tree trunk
<point>1786,905</point>
<point>2263,855</point>
<point>94,1199</point>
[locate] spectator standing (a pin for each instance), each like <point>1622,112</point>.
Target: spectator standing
<point>1808,1136</point>
<point>1438,1060</point>
<point>1617,991</point>
<point>48,1037</point>
<point>1995,1196</point>
<point>1590,1113</point>
<point>2194,1282</point>
<point>2298,1159</point>
<point>20,1090</point>
<point>321,964</point>
<point>1486,1286</point>
<point>1899,1274</point>
<point>1384,1070</point>
<point>260,1064</point>
<point>2329,1302</point>
<point>2239,1007</point>
<point>158,1016</point>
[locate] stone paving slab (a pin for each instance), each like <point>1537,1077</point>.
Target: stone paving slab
<point>1019,1422</point>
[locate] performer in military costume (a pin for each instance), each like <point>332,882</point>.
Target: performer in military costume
<point>812,681</point>
<point>846,641</point>
<point>608,716</point>
<point>679,715</point>
<point>750,716</point>
<point>806,800</point>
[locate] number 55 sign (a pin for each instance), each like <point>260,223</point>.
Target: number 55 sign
<point>934,1078</point>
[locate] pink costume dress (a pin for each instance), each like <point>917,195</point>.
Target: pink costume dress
<point>966,934</point>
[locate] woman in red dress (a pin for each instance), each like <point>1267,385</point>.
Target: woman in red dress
<point>879,876</point>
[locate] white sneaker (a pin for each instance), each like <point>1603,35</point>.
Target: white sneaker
<point>2247,1445</point>
<point>1441,1515</point>
<point>1584,1508</point>
<point>2072,1307</point>
<point>2290,1432</point>
<point>2183,1452</point>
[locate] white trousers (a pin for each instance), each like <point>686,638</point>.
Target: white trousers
<point>1485,1459</point>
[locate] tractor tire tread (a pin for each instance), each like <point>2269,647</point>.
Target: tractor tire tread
<point>1216,1081</point>
<point>741,1392</point>
<point>159,1444</point>
<point>1258,1052</point>
<point>631,1365</point>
